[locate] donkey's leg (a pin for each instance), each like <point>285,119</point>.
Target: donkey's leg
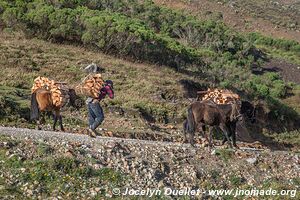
<point>207,138</point>
<point>233,132</point>
<point>61,124</point>
<point>54,121</point>
<point>225,131</point>
<point>192,138</point>
<point>229,134</point>
<point>59,117</point>
<point>38,124</point>
<point>40,121</point>
<point>210,136</point>
<point>188,136</point>
<point>185,133</point>
<point>224,140</point>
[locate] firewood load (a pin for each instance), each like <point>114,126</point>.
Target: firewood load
<point>90,85</point>
<point>59,90</point>
<point>220,96</point>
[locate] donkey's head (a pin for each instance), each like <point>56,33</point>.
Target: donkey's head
<point>248,110</point>
<point>236,114</point>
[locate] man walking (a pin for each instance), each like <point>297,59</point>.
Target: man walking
<point>95,111</point>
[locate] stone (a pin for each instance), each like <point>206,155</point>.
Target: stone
<point>252,160</point>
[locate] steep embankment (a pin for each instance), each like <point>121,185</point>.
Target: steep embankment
<point>39,164</point>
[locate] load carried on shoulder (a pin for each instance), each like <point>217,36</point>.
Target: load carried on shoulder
<point>91,85</point>
<point>59,90</point>
<point>219,96</point>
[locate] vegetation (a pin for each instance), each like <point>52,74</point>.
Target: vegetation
<point>13,104</point>
<point>49,174</point>
<point>281,48</point>
<point>225,154</point>
<point>145,32</point>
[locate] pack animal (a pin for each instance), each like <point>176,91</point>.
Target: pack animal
<point>207,113</point>
<point>41,100</point>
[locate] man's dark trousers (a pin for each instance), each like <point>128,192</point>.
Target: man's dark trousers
<point>96,115</point>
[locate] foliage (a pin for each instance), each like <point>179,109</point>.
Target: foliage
<point>288,50</point>
<point>269,84</point>
<point>11,107</point>
<point>107,31</point>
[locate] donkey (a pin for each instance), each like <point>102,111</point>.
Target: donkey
<point>208,113</point>
<point>41,100</point>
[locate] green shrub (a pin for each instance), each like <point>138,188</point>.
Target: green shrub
<point>11,16</point>
<point>284,44</point>
<point>3,6</point>
<point>63,24</point>
<point>141,30</point>
<point>38,18</point>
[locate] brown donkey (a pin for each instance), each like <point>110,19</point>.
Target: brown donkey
<point>41,100</point>
<point>208,113</point>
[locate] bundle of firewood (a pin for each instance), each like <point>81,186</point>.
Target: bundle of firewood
<point>220,96</point>
<point>59,90</point>
<point>91,85</point>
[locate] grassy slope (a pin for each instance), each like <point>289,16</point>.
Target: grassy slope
<point>244,16</point>
<point>138,86</point>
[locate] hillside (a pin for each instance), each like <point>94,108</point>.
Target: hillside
<point>158,54</point>
<point>278,19</point>
<point>128,115</point>
<point>23,60</point>
<point>195,54</point>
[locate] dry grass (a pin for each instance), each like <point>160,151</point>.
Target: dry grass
<point>137,86</point>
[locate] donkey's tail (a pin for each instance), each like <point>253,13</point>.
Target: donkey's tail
<point>189,125</point>
<point>34,109</point>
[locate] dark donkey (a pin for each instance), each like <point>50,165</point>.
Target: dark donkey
<point>41,100</point>
<point>208,113</point>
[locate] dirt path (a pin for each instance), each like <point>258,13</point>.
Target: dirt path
<point>64,136</point>
<point>38,135</point>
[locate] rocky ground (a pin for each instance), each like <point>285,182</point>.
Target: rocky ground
<point>43,164</point>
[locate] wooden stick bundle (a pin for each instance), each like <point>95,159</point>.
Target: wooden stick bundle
<point>220,96</point>
<point>91,85</point>
<point>59,90</point>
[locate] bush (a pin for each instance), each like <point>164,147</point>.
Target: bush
<point>11,16</point>
<point>141,30</point>
<point>284,44</point>
<point>279,89</point>
<point>64,25</point>
<point>267,85</point>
